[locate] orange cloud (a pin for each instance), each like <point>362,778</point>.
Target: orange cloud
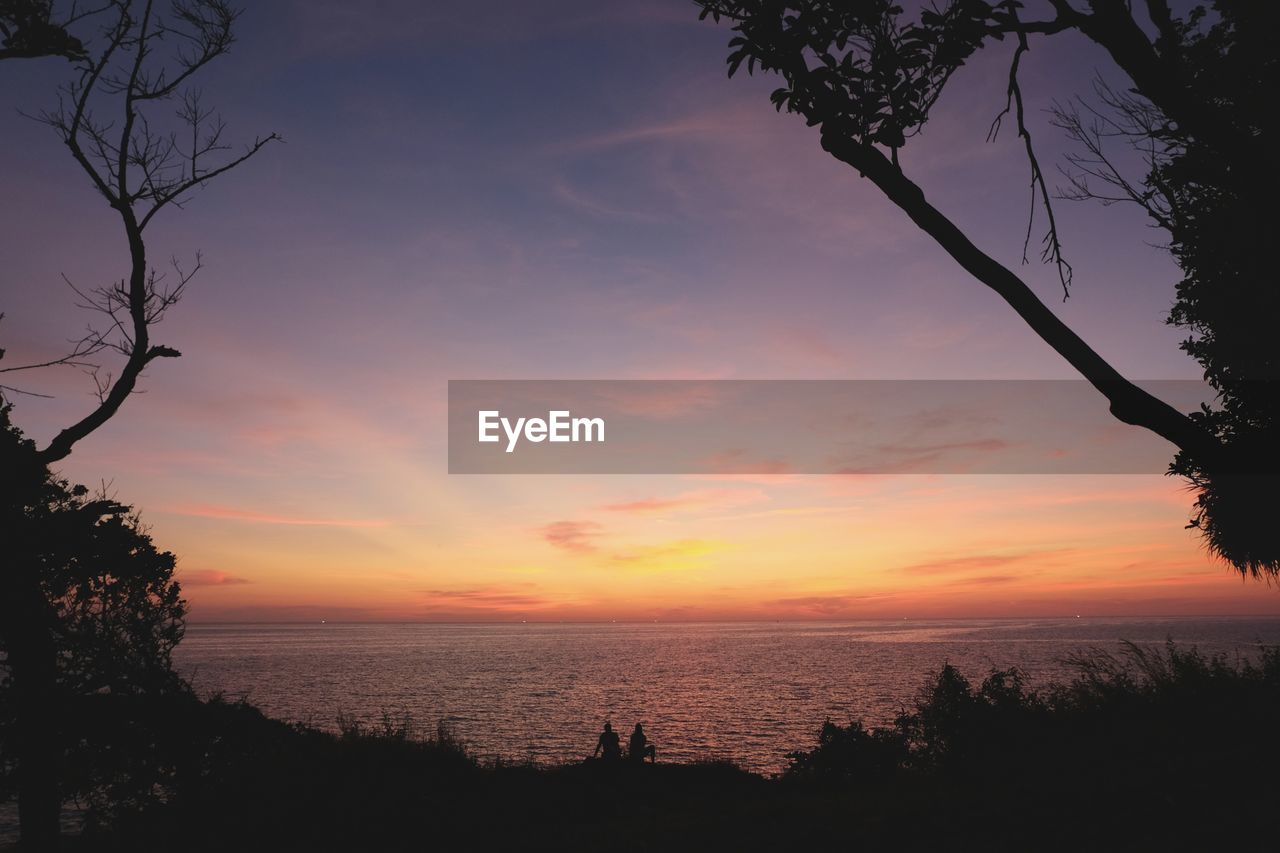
<point>575,536</point>
<point>210,577</point>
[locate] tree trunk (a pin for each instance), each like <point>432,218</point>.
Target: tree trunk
<point>32,661</point>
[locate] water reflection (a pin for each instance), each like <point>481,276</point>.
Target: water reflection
<point>747,692</point>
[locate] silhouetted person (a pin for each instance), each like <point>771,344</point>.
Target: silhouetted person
<point>639,748</point>
<point>608,747</point>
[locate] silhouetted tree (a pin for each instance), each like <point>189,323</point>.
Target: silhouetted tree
<point>131,121</point>
<point>90,613</point>
<point>1198,106</point>
<point>1212,192</point>
<point>141,162</point>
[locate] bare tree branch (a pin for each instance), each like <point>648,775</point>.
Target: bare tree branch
<point>1051,245</point>
<point>1094,174</point>
<point>141,161</point>
<point>1128,402</point>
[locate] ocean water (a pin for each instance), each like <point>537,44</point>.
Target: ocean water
<point>747,692</point>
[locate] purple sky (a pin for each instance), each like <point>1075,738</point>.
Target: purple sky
<point>499,192</point>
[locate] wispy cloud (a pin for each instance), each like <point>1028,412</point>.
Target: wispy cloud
<point>254,517</point>
<point>985,580</point>
<point>738,460</point>
<point>943,457</point>
<point>484,598</point>
<point>665,401</point>
<point>692,501</point>
<point>580,199</point>
<point>826,605</point>
<point>974,562</point>
<point>709,127</point>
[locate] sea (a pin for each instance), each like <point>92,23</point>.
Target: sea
<point>745,692</point>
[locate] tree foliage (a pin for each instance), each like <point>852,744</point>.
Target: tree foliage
<point>30,29</point>
<point>83,568</point>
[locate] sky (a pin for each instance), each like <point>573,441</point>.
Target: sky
<point>574,190</point>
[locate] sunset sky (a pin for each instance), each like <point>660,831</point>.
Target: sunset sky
<point>572,189</point>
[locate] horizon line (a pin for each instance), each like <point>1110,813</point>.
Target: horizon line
<point>800,620</point>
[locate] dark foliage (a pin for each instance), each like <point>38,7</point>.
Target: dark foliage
<point>90,615</point>
<point>1220,199</point>
<point>1210,185</point>
<point>1149,748</point>
<point>851,753</point>
<point>30,29</point>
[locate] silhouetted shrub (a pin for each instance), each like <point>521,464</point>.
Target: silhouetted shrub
<point>1153,706</point>
<point>851,753</point>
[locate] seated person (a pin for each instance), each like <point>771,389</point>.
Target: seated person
<point>639,748</point>
<point>608,746</point>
